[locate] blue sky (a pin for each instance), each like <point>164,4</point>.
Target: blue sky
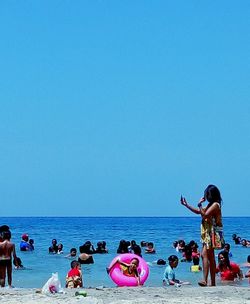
<point>116,108</point>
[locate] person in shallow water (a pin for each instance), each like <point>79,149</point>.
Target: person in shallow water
<point>128,269</point>
<point>53,248</point>
<point>229,271</point>
<point>7,251</point>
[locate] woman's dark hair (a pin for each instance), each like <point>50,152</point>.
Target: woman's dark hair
<point>6,235</point>
<point>4,228</point>
<point>226,257</point>
<point>172,258</point>
<point>133,242</point>
<point>248,259</point>
<point>212,194</point>
<point>137,249</point>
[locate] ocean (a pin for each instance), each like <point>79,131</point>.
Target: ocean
<point>74,231</point>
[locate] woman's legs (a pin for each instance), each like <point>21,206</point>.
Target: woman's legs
<point>2,275</point>
<point>205,263</point>
<point>212,265</point>
<point>9,273</point>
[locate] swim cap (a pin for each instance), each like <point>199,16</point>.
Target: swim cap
<point>25,237</point>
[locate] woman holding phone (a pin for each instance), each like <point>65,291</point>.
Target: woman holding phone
<point>211,230</point>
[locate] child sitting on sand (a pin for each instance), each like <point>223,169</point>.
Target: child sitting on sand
<point>169,273</point>
<point>74,276</point>
<point>130,269</point>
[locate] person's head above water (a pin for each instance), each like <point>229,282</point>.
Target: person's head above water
<point>25,237</point>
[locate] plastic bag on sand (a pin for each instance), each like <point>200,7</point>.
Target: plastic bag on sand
<point>53,285</point>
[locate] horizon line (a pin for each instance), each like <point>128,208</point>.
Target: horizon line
<point>115,216</point>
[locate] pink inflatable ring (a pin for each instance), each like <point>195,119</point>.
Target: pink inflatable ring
<point>121,279</point>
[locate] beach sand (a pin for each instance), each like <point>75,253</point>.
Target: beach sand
<point>137,295</point>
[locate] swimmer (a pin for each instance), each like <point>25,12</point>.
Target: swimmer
<point>247,275</point>
<point>227,249</point>
<point>60,249</point>
<point>247,264</point>
<point>31,243</point>
<point>245,243</point>
<point>150,248</point>
<point>187,254</point>
<point>229,271</point>
<point>24,244</point>
<point>101,247</point>
<point>123,247</point>
<point>196,265</point>
<point>180,246</point>
<point>72,253</point>
<point>53,248</point>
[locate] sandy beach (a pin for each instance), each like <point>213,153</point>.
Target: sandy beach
<point>142,295</point>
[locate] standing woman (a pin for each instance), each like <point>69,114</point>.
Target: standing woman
<point>211,230</point>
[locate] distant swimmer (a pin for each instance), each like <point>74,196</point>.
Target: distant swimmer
<point>101,247</point>
<point>53,248</point>
<point>72,253</point>
<point>60,248</point>
<point>196,265</point>
<point>150,248</point>
<point>24,244</point>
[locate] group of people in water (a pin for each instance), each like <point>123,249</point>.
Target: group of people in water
<point>228,270</point>
<point>211,236</point>
<point>26,243</point>
<point>240,241</point>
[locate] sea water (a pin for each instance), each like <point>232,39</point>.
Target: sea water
<point>74,231</point>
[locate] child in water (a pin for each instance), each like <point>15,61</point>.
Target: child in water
<point>130,269</point>
<point>169,273</point>
<point>196,265</point>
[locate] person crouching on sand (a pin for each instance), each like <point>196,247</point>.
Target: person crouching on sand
<point>169,273</point>
<point>74,276</point>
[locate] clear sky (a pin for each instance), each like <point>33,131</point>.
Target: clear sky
<point>116,108</point>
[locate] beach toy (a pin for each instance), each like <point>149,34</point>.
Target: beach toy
<point>81,293</point>
<point>121,279</point>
